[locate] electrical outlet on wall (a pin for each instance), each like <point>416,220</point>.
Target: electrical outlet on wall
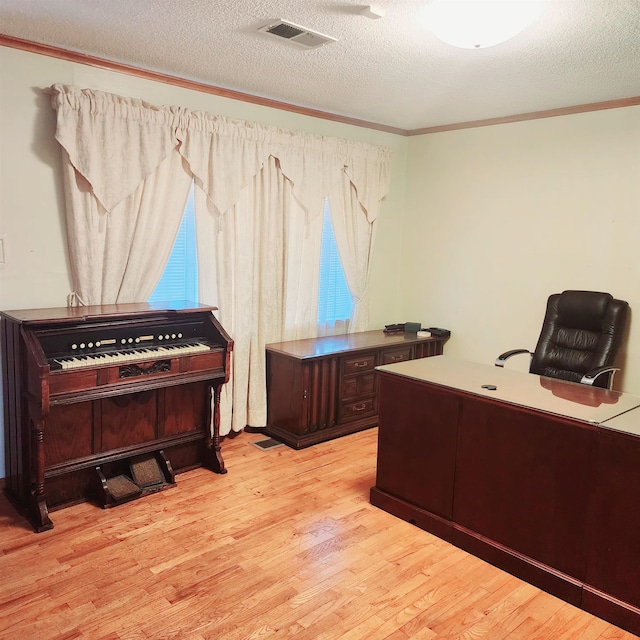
<point>2,250</point>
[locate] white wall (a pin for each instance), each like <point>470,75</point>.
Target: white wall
<point>497,218</point>
<point>31,194</point>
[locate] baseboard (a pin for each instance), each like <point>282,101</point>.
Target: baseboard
<point>536,573</point>
<point>622,614</point>
<point>547,578</point>
<point>421,518</point>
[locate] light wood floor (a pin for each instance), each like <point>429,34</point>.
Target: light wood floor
<point>285,545</point>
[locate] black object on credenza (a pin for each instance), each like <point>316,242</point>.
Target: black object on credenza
<point>415,327</point>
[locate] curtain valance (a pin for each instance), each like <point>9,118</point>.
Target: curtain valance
<point>116,143</point>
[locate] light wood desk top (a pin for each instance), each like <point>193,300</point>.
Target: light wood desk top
<point>569,399</point>
<point>628,422</point>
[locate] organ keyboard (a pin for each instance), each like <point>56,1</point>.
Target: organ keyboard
<point>87,389</point>
<point>132,355</point>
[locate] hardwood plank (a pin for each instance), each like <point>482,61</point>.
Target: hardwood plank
<point>286,544</point>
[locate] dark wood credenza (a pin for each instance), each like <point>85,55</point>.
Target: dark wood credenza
<point>539,477</point>
<point>324,388</point>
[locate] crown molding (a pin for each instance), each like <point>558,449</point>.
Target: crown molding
<point>80,58</point>
<point>101,63</point>
<point>534,115</point>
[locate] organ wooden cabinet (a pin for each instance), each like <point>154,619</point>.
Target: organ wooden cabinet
<point>324,388</point>
<point>106,402</point>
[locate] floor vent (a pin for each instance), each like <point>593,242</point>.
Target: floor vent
<point>267,444</point>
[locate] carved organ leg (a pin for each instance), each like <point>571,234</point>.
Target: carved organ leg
<point>38,511</point>
<point>214,459</point>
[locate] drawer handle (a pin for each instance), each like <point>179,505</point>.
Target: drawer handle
<point>357,365</point>
<point>360,407</point>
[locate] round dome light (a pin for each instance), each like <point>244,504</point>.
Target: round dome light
<point>476,24</point>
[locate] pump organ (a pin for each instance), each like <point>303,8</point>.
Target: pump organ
<point>87,390</point>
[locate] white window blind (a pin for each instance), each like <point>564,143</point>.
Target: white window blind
<point>180,278</point>
<point>334,300</point>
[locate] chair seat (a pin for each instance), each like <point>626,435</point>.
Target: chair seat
<point>580,338</point>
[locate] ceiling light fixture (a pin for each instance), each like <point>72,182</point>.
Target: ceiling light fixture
<point>476,24</point>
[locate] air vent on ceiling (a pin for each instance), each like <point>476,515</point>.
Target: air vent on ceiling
<point>296,33</point>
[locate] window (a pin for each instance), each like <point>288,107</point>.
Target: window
<point>334,299</point>
<point>180,278</point>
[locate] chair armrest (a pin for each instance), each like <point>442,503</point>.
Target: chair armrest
<point>591,376</point>
<point>502,358</point>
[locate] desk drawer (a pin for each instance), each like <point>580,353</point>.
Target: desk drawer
<point>357,409</point>
<point>356,364</point>
<point>395,355</point>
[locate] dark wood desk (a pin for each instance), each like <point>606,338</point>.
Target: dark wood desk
<point>323,388</point>
<point>539,477</point>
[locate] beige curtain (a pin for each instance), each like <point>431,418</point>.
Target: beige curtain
<point>125,193</point>
<point>266,262</point>
<point>259,202</point>
<point>354,227</point>
<point>119,255</point>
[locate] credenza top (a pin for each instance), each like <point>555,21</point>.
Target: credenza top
<point>329,345</point>
<point>569,399</point>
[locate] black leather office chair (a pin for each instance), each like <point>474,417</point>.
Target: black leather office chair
<point>580,338</point>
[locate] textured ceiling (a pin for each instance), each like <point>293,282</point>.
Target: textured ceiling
<point>390,71</point>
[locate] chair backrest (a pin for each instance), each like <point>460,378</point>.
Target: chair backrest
<point>582,330</point>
